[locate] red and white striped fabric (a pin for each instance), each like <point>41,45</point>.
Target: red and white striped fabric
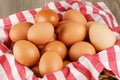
<point>86,68</point>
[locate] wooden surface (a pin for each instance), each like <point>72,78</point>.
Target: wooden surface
<point>8,7</point>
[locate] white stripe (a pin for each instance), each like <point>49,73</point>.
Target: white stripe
<point>2,33</point>
<point>64,4</point>
<point>3,75</point>
<point>44,78</point>
<point>103,57</point>
<point>101,4</point>
<point>59,75</point>
<point>29,73</point>
<point>98,18</point>
<point>11,61</point>
<point>13,19</point>
<point>87,64</point>
<point>76,73</point>
<point>38,9</point>
<point>117,51</point>
<point>89,8</point>
<point>107,17</point>
<point>28,16</point>
<point>51,5</point>
<point>75,6</point>
<point>104,7</point>
<point>2,23</point>
<point>1,53</point>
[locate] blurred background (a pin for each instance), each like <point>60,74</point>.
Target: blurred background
<point>8,7</point>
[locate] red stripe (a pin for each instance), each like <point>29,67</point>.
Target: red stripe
<point>4,48</point>
<point>21,70</point>
<point>71,1</point>
<point>97,6</point>
<point>51,76</point>
<point>60,16</point>
<point>82,7</point>
<point>117,29</point>
<point>6,66</point>
<point>7,27</point>
<point>20,17</point>
<point>110,16</point>
<point>112,60</point>
<point>33,12</point>
<point>105,20</point>
<point>59,6</point>
<point>96,11</point>
<point>95,62</point>
<point>88,17</point>
<point>68,75</point>
<point>83,70</point>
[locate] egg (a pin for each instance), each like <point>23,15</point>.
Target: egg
<point>47,15</point>
<point>50,62</point>
<point>71,33</point>
<point>88,25</point>
<point>60,25</point>
<point>80,49</point>
<point>74,16</point>
<point>101,36</point>
<point>65,63</point>
<point>35,70</point>
<point>19,31</point>
<point>40,33</point>
<point>57,46</point>
<point>26,53</point>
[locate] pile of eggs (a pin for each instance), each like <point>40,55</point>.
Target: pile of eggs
<point>49,44</point>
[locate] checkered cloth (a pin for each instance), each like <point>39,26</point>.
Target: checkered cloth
<point>86,68</point>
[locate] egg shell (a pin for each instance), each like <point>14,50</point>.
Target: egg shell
<point>71,33</point>
<point>19,31</point>
<point>74,16</point>
<point>88,25</point>
<point>26,53</point>
<point>101,36</point>
<point>60,25</point>
<point>79,49</point>
<point>35,70</point>
<point>47,15</point>
<point>57,46</point>
<point>40,33</point>
<point>65,63</point>
<point>50,62</point>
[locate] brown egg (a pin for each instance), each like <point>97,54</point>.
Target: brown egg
<point>26,53</point>
<point>50,62</point>
<point>47,15</point>
<point>88,25</point>
<point>54,37</point>
<point>74,16</point>
<point>60,25</point>
<point>71,33</point>
<point>79,49</point>
<point>57,46</point>
<point>35,70</point>
<point>40,33</point>
<point>101,36</point>
<point>65,63</point>
<point>19,31</point>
